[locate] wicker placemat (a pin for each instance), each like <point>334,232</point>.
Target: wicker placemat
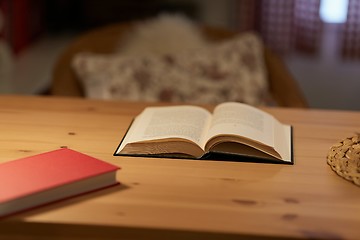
<point>344,158</point>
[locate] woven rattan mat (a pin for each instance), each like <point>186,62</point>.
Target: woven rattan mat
<point>344,158</point>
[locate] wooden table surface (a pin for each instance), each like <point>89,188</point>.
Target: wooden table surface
<point>181,199</point>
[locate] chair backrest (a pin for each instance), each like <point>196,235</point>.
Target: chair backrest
<point>283,87</point>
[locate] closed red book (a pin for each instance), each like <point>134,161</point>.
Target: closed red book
<point>40,179</point>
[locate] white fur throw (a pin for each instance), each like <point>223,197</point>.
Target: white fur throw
<point>162,35</point>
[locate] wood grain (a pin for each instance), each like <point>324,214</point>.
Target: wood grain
<point>177,199</point>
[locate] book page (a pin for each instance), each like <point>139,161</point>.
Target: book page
<point>282,140</point>
<point>244,120</point>
<point>188,122</point>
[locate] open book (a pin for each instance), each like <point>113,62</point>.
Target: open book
<point>232,129</point>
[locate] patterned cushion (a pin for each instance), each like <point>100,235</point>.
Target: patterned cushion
<point>232,70</point>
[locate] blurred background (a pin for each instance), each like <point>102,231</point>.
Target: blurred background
<point>319,40</point>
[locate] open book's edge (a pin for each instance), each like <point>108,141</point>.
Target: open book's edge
<point>221,156</point>
<point>213,156</point>
<point>217,156</point>
<point>127,131</point>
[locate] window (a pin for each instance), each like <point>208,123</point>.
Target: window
<point>334,11</point>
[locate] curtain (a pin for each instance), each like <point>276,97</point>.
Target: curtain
<point>285,25</point>
<point>308,26</point>
<point>350,43</point>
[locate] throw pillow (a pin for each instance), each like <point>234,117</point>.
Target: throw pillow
<point>232,70</point>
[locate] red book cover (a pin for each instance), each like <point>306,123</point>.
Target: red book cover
<point>36,180</point>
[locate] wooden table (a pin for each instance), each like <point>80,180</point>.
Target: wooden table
<point>181,199</point>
